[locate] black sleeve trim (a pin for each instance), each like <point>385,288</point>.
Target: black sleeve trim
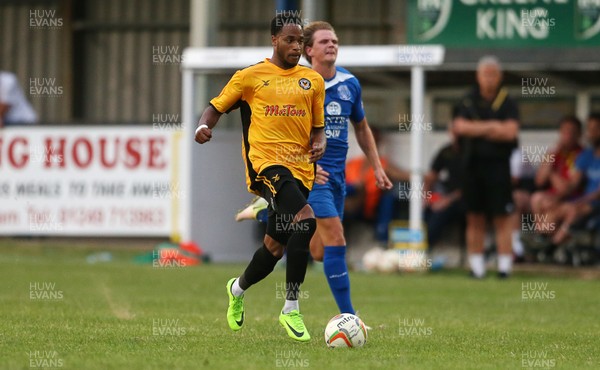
<point>215,108</point>
<point>233,107</point>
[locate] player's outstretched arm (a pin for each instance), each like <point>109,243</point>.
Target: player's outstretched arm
<point>365,139</point>
<point>318,144</point>
<point>207,121</point>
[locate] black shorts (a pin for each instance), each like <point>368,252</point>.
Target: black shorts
<point>286,196</point>
<point>487,187</point>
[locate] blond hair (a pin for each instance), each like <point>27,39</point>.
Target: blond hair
<point>309,33</point>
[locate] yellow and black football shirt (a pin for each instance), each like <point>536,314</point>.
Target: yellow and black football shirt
<point>279,109</point>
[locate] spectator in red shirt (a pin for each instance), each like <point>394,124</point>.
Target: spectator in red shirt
<point>556,174</point>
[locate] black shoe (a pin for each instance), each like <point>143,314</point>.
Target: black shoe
<point>503,275</point>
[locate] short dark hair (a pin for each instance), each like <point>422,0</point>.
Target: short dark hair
<point>571,119</point>
<point>281,20</point>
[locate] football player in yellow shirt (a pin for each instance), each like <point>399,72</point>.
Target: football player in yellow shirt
<point>282,107</point>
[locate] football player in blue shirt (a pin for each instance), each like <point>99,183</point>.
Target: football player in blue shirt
<point>343,105</point>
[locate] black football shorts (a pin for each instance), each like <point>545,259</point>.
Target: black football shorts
<point>286,196</point>
<point>487,187</point>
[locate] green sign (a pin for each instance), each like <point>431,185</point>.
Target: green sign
<point>504,23</point>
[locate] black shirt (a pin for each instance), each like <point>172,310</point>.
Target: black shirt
<point>474,107</point>
<point>447,164</point>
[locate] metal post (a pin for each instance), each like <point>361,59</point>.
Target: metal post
<point>282,5</point>
<point>417,86</point>
<point>185,216</point>
<point>202,26</point>
<point>313,10</point>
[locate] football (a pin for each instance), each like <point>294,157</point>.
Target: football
<point>371,258</point>
<point>388,261</point>
<point>345,331</point>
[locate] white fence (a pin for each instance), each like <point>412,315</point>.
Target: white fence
<point>103,181</point>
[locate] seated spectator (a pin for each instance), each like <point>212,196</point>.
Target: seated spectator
<point>587,168</point>
<point>446,204</point>
<point>364,200</point>
<point>553,176</point>
<point>14,107</point>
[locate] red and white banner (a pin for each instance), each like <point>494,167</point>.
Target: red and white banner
<point>90,181</point>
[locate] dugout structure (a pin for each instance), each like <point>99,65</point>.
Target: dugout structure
<point>198,62</point>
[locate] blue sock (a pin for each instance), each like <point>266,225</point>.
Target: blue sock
<point>262,216</point>
<point>336,272</point>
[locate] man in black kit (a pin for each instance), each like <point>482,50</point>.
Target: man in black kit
<point>487,126</point>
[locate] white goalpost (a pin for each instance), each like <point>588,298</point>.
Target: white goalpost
<point>209,60</point>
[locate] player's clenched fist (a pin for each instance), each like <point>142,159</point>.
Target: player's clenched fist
<point>316,152</point>
<point>203,134</point>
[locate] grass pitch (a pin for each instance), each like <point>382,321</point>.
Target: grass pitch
<point>58,311</point>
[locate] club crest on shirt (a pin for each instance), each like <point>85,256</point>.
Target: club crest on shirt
<point>344,92</point>
<point>333,108</point>
<point>304,83</point>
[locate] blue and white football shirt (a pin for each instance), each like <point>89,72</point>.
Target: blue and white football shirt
<point>343,104</point>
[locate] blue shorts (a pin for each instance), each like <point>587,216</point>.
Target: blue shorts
<point>328,200</point>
